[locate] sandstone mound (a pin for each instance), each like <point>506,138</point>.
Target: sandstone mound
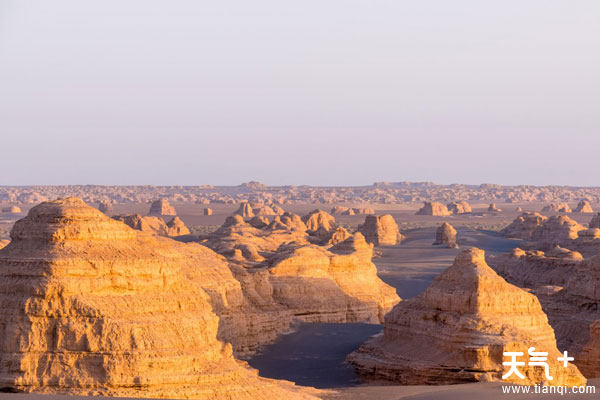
<point>12,210</point>
<point>381,230</point>
<point>245,210</point>
<point>287,279</point>
<point>493,208</point>
<point>556,230</point>
<point>524,226</point>
<point>557,208</point>
<point>90,306</point>
<point>434,208</point>
<point>162,207</point>
<point>535,268</point>
<point>154,225</point>
<point>338,236</point>
<point>457,330</point>
<point>584,207</point>
<point>364,211</point>
<point>318,220</point>
<point>461,207</point>
<point>177,227</point>
<point>3,243</point>
<point>446,235</point>
<point>207,211</point>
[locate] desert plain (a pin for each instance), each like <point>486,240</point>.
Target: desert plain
<point>389,291</point>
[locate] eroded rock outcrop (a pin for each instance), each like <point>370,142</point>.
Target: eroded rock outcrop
<point>534,268</point>
<point>176,227</point>
<point>245,210</point>
<point>162,207</point>
<point>446,235</point>
<point>557,208</point>
<point>584,207</point>
<point>381,230</point>
<point>457,330</point>
<point>461,207</point>
<point>524,226</point>
<point>595,222</point>
<point>207,211</point>
<point>556,230</point>
<point>493,208</point>
<point>89,306</point>
<point>434,208</point>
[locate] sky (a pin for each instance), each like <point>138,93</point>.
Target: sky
<point>319,92</point>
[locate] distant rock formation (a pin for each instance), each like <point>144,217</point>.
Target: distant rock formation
<point>154,225</point>
<point>101,309</point>
<point>457,330</point>
<point>207,211</point>
<point>446,235</point>
<point>381,230</point>
<point>519,209</point>
<point>12,210</point>
<point>461,207</point>
<point>161,208</point>
<point>493,208</point>
<point>524,226</point>
<point>434,208</point>
<point>584,207</point>
<point>560,207</point>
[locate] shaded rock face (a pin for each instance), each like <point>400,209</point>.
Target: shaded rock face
<point>207,211</point>
<point>535,268</point>
<point>162,207</point>
<point>493,208</point>
<point>560,207</point>
<point>588,360</point>
<point>89,306</point>
<point>381,230</point>
<point>584,207</point>
<point>524,226</point>
<point>446,235</point>
<point>461,207</point>
<point>434,208</point>
<point>105,207</point>
<point>457,330</point>
<point>595,222</point>
<point>572,310</point>
<point>556,230</point>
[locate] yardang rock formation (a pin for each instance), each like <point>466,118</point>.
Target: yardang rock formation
<point>457,330</point>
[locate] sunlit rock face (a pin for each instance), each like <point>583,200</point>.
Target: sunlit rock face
<point>381,230</point>
<point>458,329</point>
<point>90,306</point>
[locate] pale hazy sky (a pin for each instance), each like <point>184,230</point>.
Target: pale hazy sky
<point>299,92</point>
